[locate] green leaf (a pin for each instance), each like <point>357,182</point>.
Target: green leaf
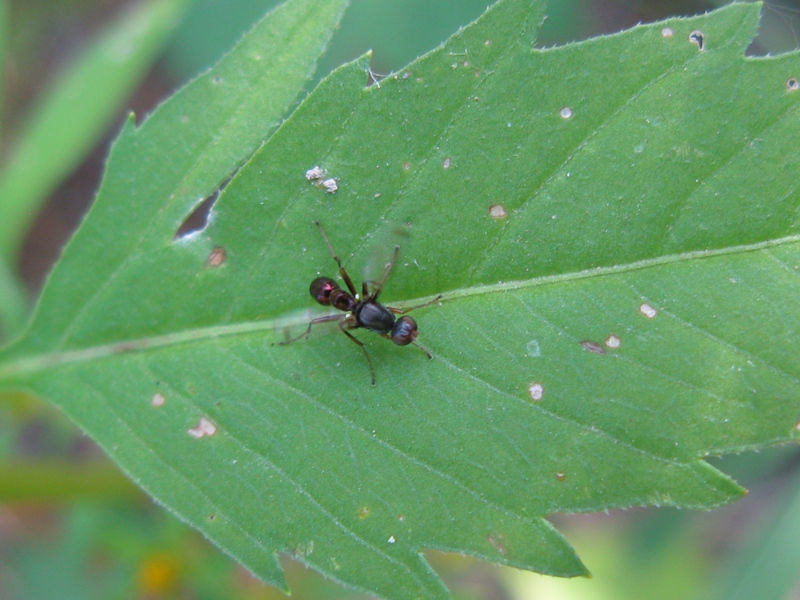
<point>77,110</point>
<point>613,227</point>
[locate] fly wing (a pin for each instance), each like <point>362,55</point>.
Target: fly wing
<point>384,244</point>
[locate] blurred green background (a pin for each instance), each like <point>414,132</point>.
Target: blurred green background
<point>71,526</point>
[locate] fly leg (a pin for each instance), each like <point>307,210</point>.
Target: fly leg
<point>402,311</point>
<point>343,326</point>
<point>325,319</point>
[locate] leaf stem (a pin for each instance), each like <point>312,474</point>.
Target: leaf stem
<point>16,369</point>
<point>60,480</point>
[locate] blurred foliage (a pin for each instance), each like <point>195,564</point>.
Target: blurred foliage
<point>112,548</point>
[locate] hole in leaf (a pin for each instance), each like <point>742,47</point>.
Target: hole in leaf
<point>198,218</point>
<point>698,39</point>
<point>792,84</point>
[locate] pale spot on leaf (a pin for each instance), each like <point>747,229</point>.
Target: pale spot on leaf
<point>204,428</point>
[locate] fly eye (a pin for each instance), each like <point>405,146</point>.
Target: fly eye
<point>404,331</point>
<point>322,288</point>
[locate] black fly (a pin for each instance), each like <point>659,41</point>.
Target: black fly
<point>365,311</point>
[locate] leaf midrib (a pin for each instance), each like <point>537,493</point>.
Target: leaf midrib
<point>28,365</point>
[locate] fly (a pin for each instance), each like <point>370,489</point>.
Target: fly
<point>362,312</point>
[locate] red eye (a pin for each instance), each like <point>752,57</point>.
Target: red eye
<point>404,331</point>
<point>322,288</point>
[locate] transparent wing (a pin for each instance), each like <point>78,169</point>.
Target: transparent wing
<point>381,251</point>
